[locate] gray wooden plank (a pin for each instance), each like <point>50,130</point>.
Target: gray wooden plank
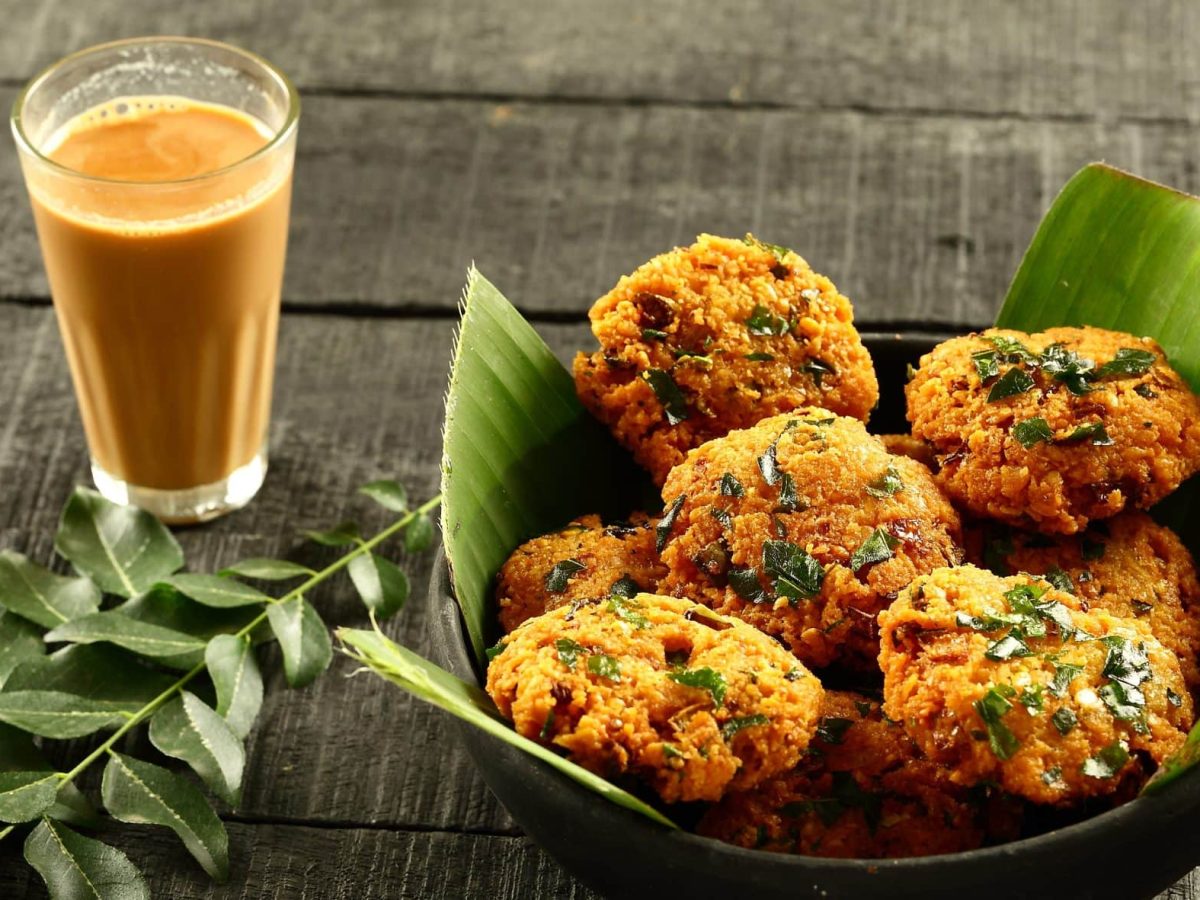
<point>916,218</point>
<point>1027,57</point>
<point>298,863</point>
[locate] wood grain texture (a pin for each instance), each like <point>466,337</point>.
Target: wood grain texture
<point>916,218</point>
<point>1072,58</point>
<point>299,863</point>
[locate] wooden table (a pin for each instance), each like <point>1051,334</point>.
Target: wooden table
<point>906,149</point>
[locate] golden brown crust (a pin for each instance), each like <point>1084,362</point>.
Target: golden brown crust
<point>864,791</point>
<point>608,683</point>
<point>698,300</point>
<point>623,550</point>
<point>941,684</point>
<point>1128,565</point>
<point>832,466</point>
<point>1056,485</point>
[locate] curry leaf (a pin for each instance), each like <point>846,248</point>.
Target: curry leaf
<point>418,536</point>
<point>40,595</point>
<point>388,494</point>
<point>141,637</point>
<point>235,674</point>
<point>75,867</point>
<point>54,714</point>
<point>380,583</point>
<point>144,794</point>
<point>188,729</point>
<point>25,796</point>
<point>303,639</point>
<point>267,569</point>
<point>121,548</point>
<point>20,642</point>
<point>213,590</point>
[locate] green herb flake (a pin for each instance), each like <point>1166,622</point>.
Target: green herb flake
<point>1008,647</point>
<point>885,485</point>
<point>788,498</point>
<point>818,369</point>
<point>746,585</point>
<point>568,652</point>
<point>1144,390</point>
<point>764,323</point>
<point>1064,674</point>
<point>1141,607</point>
<point>662,531</point>
<point>667,391</point>
<point>768,466</point>
<point>1060,580</point>
<point>670,752</point>
<point>1126,661</point>
<point>1053,778</point>
<point>759,357</point>
<point>1127,704</point>
<point>991,708</point>
<point>875,549</point>
<point>1032,432</point>
<point>1107,763</point>
<point>721,517</point>
<point>1031,699</point>
<point>547,727</point>
<point>1014,381</point>
<point>863,707</point>
<point>492,652</point>
<point>986,366</point>
<point>604,666</point>
<point>1068,367</point>
<point>832,730</point>
<point>653,334</point>
<point>627,611</point>
<point>779,251</point>
<point>1064,720</point>
<point>1174,699</point>
<point>1093,431</point>
<point>731,487</point>
<point>796,574</point>
<point>705,679</point>
<point>1128,361</point>
<point>1010,348</point>
<point>625,587</point>
<point>733,726</point>
<point>557,577</point>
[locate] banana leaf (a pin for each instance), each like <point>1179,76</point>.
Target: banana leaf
<point>521,456</point>
<point>1120,252</point>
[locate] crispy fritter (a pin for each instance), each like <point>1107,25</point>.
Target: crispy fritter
<point>1008,680</point>
<point>1128,565</point>
<point>1053,430</point>
<point>716,336</point>
<point>690,702</point>
<point>862,791</point>
<point>587,559</point>
<point>805,527</point>
<point>913,448</point>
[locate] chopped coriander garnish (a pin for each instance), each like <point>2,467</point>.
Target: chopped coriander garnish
<point>780,252</point>
<point>568,652</point>
<point>886,484</point>
<point>547,726</point>
<point>731,487</point>
<point>1064,674</point>
<point>1031,699</point>
<point>669,752</point>
<point>625,587</point>
<point>733,726</point>
<point>1065,720</point>
<point>1128,361</point>
<point>796,574</point>
<point>1032,432</point>
<point>1094,431</point>
<point>495,650</point>
<point>1144,390</point>
<point>768,466</point>
<point>820,423</point>
<point>626,610</point>
<point>1008,647</point>
<point>991,708</point>
<point>1053,777</point>
<point>818,368</point>
<point>604,666</point>
<point>1126,662</point>
<point>1141,607</point>
<point>1107,763</point>
<point>662,531</point>
<point>832,730</point>
<point>653,334</point>
<point>1128,704</point>
<point>746,585</point>
<point>1010,348</point>
<point>764,323</point>
<point>1060,580</point>
<point>1068,367</point>
<point>721,517</point>
<point>1014,381</point>
<point>1174,699</point>
<point>557,577</point>
<point>759,357</point>
<point>986,366</point>
<point>794,674</point>
<point>705,679</point>
<point>788,498</point>
<point>668,394</point>
<point>875,549</point>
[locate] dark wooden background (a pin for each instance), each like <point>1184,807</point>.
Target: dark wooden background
<point>907,149</point>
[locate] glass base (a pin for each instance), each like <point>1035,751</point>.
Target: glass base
<point>187,506</point>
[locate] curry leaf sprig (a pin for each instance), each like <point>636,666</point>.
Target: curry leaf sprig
<point>149,644</point>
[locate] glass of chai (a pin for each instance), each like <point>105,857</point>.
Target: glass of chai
<point>160,173</point>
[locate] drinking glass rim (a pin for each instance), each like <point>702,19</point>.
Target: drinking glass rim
<point>280,135</point>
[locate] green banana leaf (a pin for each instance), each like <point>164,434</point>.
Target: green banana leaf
<point>1120,252</point>
<point>521,456</point>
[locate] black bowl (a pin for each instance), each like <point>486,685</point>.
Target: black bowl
<point>1136,850</point>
